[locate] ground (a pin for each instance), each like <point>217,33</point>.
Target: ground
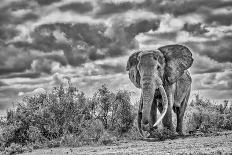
<point>214,144</point>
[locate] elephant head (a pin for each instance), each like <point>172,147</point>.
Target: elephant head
<point>152,70</point>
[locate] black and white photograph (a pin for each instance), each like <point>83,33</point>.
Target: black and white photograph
<point>115,77</point>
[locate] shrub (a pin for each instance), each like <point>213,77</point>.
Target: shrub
<point>122,113</point>
<point>206,117</point>
<point>65,116</point>
<point>14,148</point>
<point>114,110</point>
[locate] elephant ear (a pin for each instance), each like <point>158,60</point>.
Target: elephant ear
<point>133,70</point>
<point>178,59</point>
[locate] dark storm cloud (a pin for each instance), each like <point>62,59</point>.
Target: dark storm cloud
<point>7,33</point>
<point>203,64</point>
<point>219,50</point>
<point>55,57</point>
<point>220,19</point>
<point>28,17</point>
<point>18,5</point>
<point>84,42</point>
<point>77,7</point>
<point>22,75</point>
<point>112,68</point>
<point>6,13</point>
<point>196,29</point>
<point>2,84</point>
<point>141,27</point>
<point>124,34</point>
<point>46,2</point>
<point>178,8</point>
<point>42,65</point>
<point>91,34</point>
<point>14,60</point>
<point>218,82</point>
<point>76,57</point>
<point>159,38</point>
<point>42,43</point>
<point>109,8</point>
<point>5,16</point>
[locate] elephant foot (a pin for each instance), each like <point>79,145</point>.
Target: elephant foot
<point>180,132</point>
<point>146,127</point>
<point>171,128</point>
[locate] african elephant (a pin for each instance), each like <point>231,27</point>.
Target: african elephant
<point>165,82</point>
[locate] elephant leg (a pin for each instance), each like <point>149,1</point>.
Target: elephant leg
<point>139,117</point>
<point>180,114</point>
<point>167,120</point>
<point>153,112</point>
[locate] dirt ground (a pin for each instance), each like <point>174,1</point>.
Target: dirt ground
<point>213,144</point>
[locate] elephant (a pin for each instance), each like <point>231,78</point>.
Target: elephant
<point>165,84</point>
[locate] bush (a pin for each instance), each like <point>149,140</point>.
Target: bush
<point>67,117</point>
<point>114,110</point>
<point>206,117</point>
<point>122,113</point>
<point>14,148</point>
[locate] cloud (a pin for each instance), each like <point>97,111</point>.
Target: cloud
<point>2,84</point>
<point>109,8</point>
<point>10,13</point>
<point>46,2</point>
<point>7,33</point>
<point>44,66</point>
<point>54,56</point>
<point>219,50</point>
<point>78,7</point>
<point>30,75</point>
<point>187,7</point>
<point>19,5</point>
<point>58,16</point>
<point>83,42</point>
<point>27,17</point>
<point>217,81</point>
<point>196,29</point>
<point>155,40</point>
<point>203,64</point>
<point>5,16</point>
<point>219,19</point>
<point>14,60</point>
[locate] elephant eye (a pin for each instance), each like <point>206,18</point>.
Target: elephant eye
<point>158,67</point>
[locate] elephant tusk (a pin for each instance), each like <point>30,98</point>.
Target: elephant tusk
<point>165,103</point>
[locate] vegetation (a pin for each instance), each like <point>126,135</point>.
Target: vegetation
<point>66,117</point>
<point>207,117</point>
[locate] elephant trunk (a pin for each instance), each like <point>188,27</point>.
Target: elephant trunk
<point>164,102</point>
<point>147,97</point>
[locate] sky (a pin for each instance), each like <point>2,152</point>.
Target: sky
<point>42,42</point>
